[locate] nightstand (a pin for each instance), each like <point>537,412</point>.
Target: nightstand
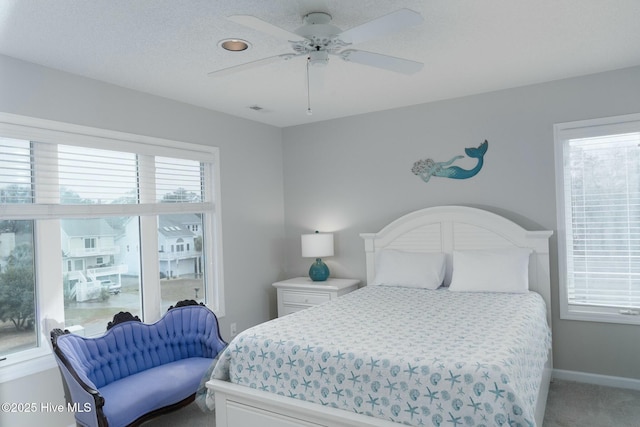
<point>301,292</point>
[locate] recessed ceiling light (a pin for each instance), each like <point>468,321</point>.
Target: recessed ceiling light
<point>234,45</point>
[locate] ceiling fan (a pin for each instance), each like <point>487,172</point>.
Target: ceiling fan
<point>317,38</point>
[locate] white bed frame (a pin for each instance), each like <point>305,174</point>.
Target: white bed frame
<point>438,229</point>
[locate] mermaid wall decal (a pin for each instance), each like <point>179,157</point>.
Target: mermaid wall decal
<point>426,168</point>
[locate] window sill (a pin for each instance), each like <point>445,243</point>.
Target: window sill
<point>21,368</point>
<point>601,316</point>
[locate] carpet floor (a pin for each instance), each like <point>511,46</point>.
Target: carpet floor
<point>570,404</point>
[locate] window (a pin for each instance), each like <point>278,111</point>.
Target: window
<point>598,192</point>
<point>17,286</point>
<point>90,243</point>
<point>83,215</point>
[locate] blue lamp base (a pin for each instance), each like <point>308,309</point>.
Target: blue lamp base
<point>319,272</point>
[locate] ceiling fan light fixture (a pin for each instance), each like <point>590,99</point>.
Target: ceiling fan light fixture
<point>234,45</point>
<point>318,58</point>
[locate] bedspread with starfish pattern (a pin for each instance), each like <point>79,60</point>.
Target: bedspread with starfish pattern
<point>414,356</point>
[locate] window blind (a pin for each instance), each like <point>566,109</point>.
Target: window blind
<point>15,171</point>
<point>179,180</point>
<point>95,176</point>
<point>76,175</point>
<point>602,197</point>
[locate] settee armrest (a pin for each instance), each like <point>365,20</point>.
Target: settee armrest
<point>81,395</point>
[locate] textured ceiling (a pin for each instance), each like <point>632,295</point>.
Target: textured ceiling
<point>167,47</point>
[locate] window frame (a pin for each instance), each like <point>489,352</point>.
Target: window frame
<point>49,299</point>
<point>563,132</point>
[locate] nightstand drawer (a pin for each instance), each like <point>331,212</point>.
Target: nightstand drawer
<point>301,292</point>
<point>288,309</point>
<point>312,298</point>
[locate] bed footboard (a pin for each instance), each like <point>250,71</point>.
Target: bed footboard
<point>238,406</point>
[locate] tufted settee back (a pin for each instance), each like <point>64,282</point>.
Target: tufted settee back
<point>131,347</point>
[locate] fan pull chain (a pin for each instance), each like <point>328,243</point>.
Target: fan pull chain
<point>309,111</point>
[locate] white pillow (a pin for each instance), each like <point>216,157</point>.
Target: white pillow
<point>499,270</point>
<point>410,269</point>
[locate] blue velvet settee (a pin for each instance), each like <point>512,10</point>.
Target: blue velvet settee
<point>136,371</point>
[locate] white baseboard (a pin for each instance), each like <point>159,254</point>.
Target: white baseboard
<point>604,380</point>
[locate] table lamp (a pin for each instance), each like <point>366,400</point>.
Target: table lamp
<point>317,245</point>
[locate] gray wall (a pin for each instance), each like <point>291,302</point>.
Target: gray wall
<point>251,179</point>
<point>354,175</point>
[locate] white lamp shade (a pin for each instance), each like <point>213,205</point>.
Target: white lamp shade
<point>317,245</point>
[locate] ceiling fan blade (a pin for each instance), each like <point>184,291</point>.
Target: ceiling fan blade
<point>378,60</point>
<point>387,24</point>
<point>248,65</point>
<point>264,27</point>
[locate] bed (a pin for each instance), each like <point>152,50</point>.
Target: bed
<point>394,353</point>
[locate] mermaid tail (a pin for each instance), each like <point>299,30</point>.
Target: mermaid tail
<point>477,152</point>
<point>459,173</point>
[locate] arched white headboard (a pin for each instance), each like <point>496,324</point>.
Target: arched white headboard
<point>449,228</point>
